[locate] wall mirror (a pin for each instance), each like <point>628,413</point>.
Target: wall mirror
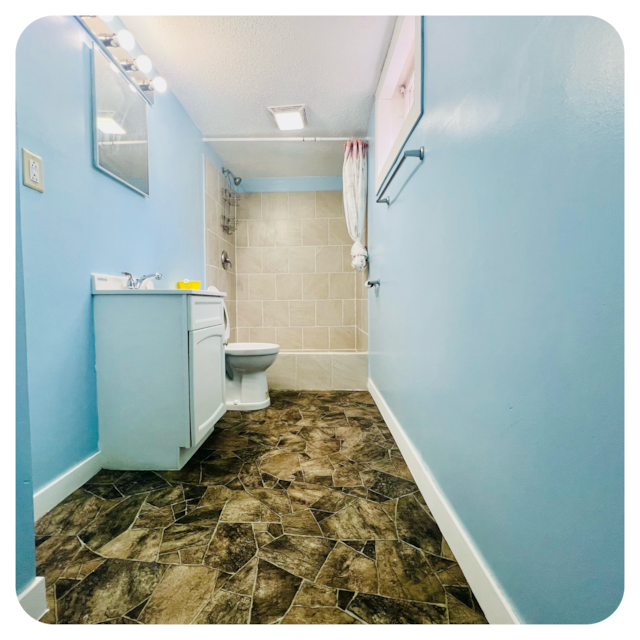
<point>400,94</point>
<point>119,125</point>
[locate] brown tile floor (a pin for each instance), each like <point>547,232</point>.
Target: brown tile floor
<point>302,513</point>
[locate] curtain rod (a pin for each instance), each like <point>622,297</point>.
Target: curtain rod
<point>278,139</point>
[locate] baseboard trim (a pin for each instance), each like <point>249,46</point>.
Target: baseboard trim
<point>493,602</point>
<point>34,598</point>
<point>55,492</point>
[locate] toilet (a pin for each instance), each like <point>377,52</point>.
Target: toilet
<point>246,365</point>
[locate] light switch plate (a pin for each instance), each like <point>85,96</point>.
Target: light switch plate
<point>32,171</point>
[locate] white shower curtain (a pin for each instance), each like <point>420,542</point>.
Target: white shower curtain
<point>354,193</point>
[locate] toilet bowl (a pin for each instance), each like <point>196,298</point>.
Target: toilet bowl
<point>246,365</point>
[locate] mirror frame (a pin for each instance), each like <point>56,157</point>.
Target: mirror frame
<point>97,50</point>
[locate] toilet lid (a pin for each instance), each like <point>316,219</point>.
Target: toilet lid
<point>227,324</point>
<point>251,348</point>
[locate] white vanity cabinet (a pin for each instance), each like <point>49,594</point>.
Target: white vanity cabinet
<point>160,375</point>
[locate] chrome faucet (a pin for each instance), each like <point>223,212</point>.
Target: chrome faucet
<point>134,283</point>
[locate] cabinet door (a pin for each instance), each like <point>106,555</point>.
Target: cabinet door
<point>206,380</point>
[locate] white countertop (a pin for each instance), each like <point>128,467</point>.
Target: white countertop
<point>158,292</point>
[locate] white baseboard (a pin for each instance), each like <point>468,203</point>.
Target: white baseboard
<point>55,492</point>
<point>34,598</point>
<point>493,602</point>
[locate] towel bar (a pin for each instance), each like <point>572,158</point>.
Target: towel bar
<point>416,153</point>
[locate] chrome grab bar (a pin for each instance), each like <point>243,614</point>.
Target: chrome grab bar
<point>416,153</point>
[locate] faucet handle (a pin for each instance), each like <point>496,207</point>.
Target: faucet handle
<point>131,281</point>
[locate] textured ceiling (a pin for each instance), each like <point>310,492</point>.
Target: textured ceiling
<point>227,70</point>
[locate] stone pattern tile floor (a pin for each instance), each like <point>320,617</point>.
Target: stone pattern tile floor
<point>302,513</point>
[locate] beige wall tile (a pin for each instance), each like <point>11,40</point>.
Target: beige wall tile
<point>348,311</point>
<point>213,249</point>
<point>263,335</point>
<point>361,315</point>
<point>244,334</point>
<point>315,286</point>
<point>289,286</point>
<point>231,286</point>
<point>288,233</point>
<point>329,313</point>
<point>289,337</point>
<point>329,259</point>
<point>313,371</point>
<point>282,373</point>
<point>242,287</point>
<point>342,286</point>
<point>218,221</point>
<point>209,276</point>
<point>302,259</point>
<point>362,293</point>
<point>342,338</point>
<point>249,260</point>
<point>346,259</point>
<point>302,314</point>
<point>275,206</point>
<point>249,313</point>
<point>302,204</point>
<point>349,371</point>
<point>242,234</point>
<point>362,341</point>
<point>233,335</point>
<point>275,260</point>
<point>209,212</point>
<point>315,337</point>
<point>262,287</point>
<point>250,206</point>
<point>329,204</point>
<point>276,314</point>
<point>261,233</point>
<point>338,233</point>
<point>210,178</point>
<point>315,232</point>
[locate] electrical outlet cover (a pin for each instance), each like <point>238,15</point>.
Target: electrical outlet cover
<point>32,171</point>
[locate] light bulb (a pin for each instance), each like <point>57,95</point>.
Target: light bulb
<point>106,18</point>
<point>144,63</point>
<point>126,40</point>
<point>159,84</point>
<point>114,68</point>
<point>132,88</point>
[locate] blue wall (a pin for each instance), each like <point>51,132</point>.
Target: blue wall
<point>307,183</point>
<point>25,531</point>
<point>497,334</point>
<point>87,222</point>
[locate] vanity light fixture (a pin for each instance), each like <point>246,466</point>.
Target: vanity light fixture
<point>109,125</point>
<point>290,117</point>
<point>144,63</point>
<point>126,40</point>
<point>109,39</point>
<point>129,65</point>
<point>159,84</point>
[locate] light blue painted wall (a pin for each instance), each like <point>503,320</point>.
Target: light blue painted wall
<point>497,334</point>
<point>87,222</point>
<point>307,183</point>
<point>25,530</point>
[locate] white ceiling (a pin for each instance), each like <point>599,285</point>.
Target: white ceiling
<point>226,71</point>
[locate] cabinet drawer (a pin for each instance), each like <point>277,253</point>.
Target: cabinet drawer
<point>205,311</point>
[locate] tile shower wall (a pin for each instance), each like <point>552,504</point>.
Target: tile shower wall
<point>218,240</point>
<point>296,287</point>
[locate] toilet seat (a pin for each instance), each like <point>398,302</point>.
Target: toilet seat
<point>251,349</point>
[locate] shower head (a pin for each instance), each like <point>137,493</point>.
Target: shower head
<point>236,181</point>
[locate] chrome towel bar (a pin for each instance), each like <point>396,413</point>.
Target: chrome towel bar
<point>416,153</point>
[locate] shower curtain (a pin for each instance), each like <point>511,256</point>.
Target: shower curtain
<point>354,193</point>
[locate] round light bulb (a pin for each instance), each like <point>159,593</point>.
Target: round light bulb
<point>132,88</point>
<point>144,63</point>
<point>126,40</point>
<point>114,68</point>
<point>159,84</point>
<point>106,18</point>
